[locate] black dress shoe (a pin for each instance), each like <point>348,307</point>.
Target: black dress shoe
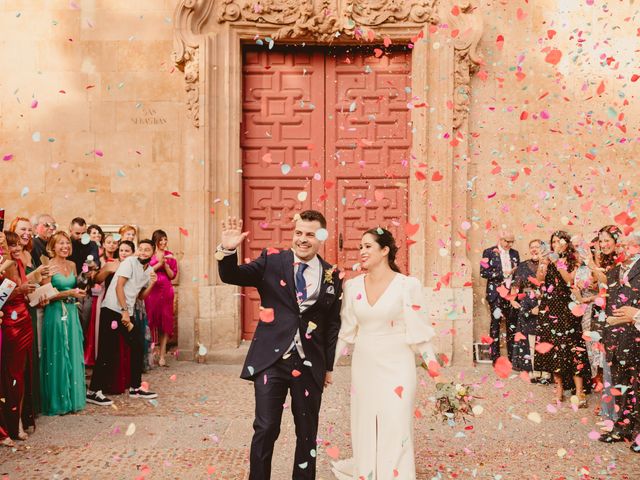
<point>635,448</point>
<point>611,438</point>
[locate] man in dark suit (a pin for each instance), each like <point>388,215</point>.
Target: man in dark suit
<point>45,226</point>
<point>294,344</point>
<point>497,265</point>
<point>621,339</point>
<point>81,248</point>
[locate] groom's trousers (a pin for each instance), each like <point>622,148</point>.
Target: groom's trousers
<point>271,387</point>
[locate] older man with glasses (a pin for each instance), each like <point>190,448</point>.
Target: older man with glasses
<point>497,266</point>
<point>44,226</point>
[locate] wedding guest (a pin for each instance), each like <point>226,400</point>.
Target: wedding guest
<point>128,232</point>
<point>81,250</point>
<point>559,330</point>
<point>120,375</point>
<point>5,439</point>
<point>62,384</point>
<point>45,226</point>
<point>497,265</point>
<point>133,278</point>
<point>17,344</point>
<point>606,258</point>
<point>526,300</point>
<point>22,227</point>
<point>96,235</point>
<point>109,255</point>
<point>159,303</point>
<point>622,347</point>
<point>585,292</point>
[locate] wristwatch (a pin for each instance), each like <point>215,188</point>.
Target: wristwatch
<point>124,309</point>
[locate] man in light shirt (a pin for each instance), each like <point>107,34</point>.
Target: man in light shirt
<point>497,266</point>
<point>133,279</point>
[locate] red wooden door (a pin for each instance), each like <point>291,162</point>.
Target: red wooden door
<point>328,130</point>
<point>368,148</point>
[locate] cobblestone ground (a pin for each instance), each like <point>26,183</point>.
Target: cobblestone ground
<point>200,427</point>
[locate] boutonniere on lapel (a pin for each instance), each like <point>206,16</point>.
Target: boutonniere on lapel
<point>328,275</point>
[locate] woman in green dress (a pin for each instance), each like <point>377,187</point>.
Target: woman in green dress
<point>62,383</point>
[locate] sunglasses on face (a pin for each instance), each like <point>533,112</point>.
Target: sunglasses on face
<point>51,226</point>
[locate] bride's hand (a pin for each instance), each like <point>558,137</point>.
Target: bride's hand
<point>441,379</point>
<point>328,379</point>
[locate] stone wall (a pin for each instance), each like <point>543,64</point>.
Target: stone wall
<point>93,123</point>
<point>91,119</point>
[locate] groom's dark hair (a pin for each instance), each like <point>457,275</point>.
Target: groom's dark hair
<point>314,216</point>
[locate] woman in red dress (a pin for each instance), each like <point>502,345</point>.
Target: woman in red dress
<point>17,342</point>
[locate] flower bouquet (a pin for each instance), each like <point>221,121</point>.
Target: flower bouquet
<point>454,401</point>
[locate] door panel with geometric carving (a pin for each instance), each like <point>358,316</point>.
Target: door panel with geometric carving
<point>325,129</point>
<point>368,145</point>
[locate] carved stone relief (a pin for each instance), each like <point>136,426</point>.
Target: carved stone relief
<point>323,21</point>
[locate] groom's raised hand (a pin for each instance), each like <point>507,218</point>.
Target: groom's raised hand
<point>232,235</point>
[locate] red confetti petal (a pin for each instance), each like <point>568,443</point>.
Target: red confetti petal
<point>553,57</point>
<point>411,229</point>
<point>544,347</point>
<point>502,367</point>
<point>267,315</point>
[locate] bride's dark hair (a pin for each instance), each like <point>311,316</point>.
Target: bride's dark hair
<point>384,238</point>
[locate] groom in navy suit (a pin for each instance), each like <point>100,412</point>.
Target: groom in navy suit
<point>497,266</point>
<point>294,344</point>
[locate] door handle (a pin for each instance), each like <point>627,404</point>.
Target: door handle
<point>340,242</point>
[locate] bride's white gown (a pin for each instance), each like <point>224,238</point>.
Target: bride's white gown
<point>383,376</point>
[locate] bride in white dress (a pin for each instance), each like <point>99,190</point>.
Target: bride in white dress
<point>384,315</point>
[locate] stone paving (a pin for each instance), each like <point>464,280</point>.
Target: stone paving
<point>200,428</point>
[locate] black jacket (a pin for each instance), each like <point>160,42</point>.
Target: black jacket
<point>622,342</point>
<point>39,249</point>
<point>80,252</point>
<point>492,271</point>
<point>271,340</point>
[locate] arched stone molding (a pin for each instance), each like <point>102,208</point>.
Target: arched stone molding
<point>208,39</point>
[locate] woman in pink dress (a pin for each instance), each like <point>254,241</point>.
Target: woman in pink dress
<point>159,303</point>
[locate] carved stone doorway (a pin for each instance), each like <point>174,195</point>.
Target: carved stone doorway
<point>443,36</point>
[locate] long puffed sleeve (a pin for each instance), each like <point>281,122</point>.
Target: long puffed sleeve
<point>349,325</point>
<point>418,331</point>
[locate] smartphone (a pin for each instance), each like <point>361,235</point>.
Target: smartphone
<point>1,219</point>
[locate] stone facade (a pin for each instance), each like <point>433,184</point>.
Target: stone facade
<point>124,112</point>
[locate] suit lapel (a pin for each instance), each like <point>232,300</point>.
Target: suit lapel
<point>635,270</point>
<point>514,259</point>
<point>287,274</point>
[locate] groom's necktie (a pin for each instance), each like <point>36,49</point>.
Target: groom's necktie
<point>301,284</point>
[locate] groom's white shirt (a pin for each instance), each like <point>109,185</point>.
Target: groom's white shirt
<point>312,278</point>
